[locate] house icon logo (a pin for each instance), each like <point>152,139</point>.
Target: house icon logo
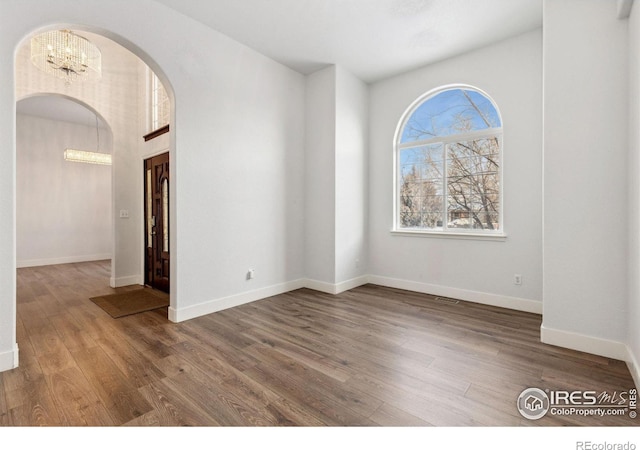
<point>533,403</point>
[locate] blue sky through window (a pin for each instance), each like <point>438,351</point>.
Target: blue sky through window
<point>450,112</point>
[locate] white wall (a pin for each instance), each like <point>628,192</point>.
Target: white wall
<point>320,176</point>
<point>335,180</point>
<point>633,312</point>
<point>585,176</point>
<point>351,182</point>
<point>238,170</point>
<point>510,72</point>
<point>8,345</point>
<point>63,208</point>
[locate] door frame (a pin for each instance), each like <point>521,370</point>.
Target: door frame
<point>145,158</point>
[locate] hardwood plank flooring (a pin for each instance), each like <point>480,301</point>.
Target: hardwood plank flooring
<point>372,356</point>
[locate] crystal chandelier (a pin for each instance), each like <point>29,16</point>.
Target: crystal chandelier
<point>66,55</point>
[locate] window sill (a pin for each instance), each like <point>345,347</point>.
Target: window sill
<point>154,134</point>
<point>500,237</point>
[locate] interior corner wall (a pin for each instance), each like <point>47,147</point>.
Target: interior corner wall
<point>634,192</point>
<point>351,178</point>
<point>63,208</point>
<point>336,180</point>
<point>320,164</point>
<point>510,72</point>
<point>586,209</point>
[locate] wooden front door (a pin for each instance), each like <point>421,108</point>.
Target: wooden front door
<point>156,206</point>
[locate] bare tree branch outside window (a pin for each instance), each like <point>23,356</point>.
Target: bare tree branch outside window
<point>449,164</point>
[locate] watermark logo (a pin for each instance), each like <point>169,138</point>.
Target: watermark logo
<point>534,403</point>
<point>589,445</point>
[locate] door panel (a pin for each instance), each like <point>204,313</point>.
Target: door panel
<point>157,260</point>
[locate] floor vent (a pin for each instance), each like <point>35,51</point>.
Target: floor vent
<point>451,301</point>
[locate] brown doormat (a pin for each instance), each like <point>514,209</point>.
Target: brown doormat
<point>132,302</point>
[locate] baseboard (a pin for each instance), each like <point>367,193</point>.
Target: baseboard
<point>502,301</point>
<point>9,360</point>
<point>634,368</point>
<point>584,343</point>
<point>320,286</point>
<point>125,281</point>
<point>61,260</point>
<point>191,312</point>
<point>338,288</point>
<point>202,309</point>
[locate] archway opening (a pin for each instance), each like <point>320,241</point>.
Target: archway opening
<point>120,100</point>
<point>63,207</point>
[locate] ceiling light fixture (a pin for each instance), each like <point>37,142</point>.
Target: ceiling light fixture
<point>66,55</point>
<point>82,156</point>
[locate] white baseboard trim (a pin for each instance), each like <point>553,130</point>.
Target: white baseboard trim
<point>338,288</point>
<point>502,301</point>
<point>125,281</point>
<point>320,286</point>
<point>61,260</point>
<point>191,312</point>
<point>9,360</point>
<point>202,309</point>
<point>634,368</point>
<point>584,343</point>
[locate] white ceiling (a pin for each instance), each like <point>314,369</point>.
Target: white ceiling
<point>372,39</point>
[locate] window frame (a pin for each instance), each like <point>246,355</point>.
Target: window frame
<point>154,90</point>
<point>445,141</point>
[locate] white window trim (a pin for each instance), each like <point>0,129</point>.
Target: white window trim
<point>497,236</point>
<point>472,234</point>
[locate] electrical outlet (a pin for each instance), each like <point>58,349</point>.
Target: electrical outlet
<point>251,274</point>
<point>517,279</point>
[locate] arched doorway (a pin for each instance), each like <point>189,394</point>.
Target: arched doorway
<point>63,208</point>
<point>120,99</point>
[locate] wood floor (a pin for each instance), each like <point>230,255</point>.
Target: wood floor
<point>369,357</point>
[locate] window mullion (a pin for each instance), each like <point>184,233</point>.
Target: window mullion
<point>469,136</point>
<point>398,188</point>
<point>445,187</point>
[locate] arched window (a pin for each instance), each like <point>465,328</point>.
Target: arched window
<point>448,164</point>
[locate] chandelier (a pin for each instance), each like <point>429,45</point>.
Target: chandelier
<point>73,155</point>
<point>82,156</point>
<point>66,55</point>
